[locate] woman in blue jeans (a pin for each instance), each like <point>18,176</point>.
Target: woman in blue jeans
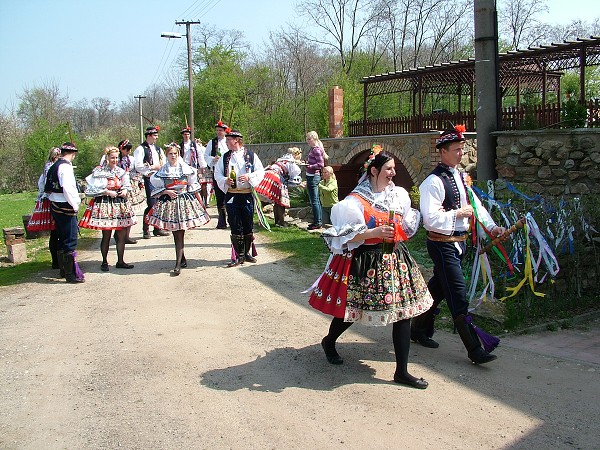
<point>315,161</point>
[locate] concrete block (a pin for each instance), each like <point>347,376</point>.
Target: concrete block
<point>17,253</point>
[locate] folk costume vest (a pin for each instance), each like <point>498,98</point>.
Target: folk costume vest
<point>375,218</point>
<point>148,152</point>
<point>248,159</point>
<point>452,194</point>
<point>52,182</point>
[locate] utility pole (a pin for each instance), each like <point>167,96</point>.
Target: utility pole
<point>487,87</point>
<point>140,97</point>
<point>188,35</point>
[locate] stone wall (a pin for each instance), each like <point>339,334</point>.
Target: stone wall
<point>551,162</point>
<point>415,151</point>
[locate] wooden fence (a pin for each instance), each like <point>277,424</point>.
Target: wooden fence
<point>513,118</point>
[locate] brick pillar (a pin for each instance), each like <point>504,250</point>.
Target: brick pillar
<point>336,112</point>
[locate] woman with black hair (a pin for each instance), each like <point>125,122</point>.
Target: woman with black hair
<point>371,277</point>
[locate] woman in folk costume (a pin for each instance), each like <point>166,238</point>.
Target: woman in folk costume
<point>273,183</point>
<point>110,209</point>
<point>41,218</point>
<point>371,277</point>
<point>178,206</point>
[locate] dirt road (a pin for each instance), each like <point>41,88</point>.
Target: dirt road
<point>223,358</point>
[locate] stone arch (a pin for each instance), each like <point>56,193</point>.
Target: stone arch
<point>351,162</point>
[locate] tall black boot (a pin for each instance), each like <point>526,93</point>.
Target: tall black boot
<point>279,215</point>
<point>471,341</point>
<point>146,230</point>
<point>222,222</point>
<point>61,262</point>
<point>237,242</point>
<point>422,326</point>
<point>70,270</point>
<point>248,247</point>
<point>53,247</point>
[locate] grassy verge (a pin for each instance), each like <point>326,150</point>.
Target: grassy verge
<point>14,207</point>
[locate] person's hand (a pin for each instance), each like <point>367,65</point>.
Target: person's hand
<point>229,182</point>
<point>122,193</point>
<point>465,211</point>
<point>498,231</point>
<point>243,178</point>
<point>171,193</point>
<point>111,194</point>
<point>215,159</point>
<point>385,232</point>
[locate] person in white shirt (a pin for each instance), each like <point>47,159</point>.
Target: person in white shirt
<point>148,158</point>
<point>192,152</point>
<point>212,154</point>
<point>447,210</point>
<point>64,203</point>
<point>238,194</point>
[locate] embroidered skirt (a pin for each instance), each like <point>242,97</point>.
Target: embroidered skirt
<point>205,175</point>
<point>107,213</point>
<point>137,194</point>
<point>41,218</point>
<point>371,287</point>
<point>274,189</point>
<point>184,212</point>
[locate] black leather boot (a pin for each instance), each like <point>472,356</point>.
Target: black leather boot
<point>238,245</point>
<point>422,327</point>
<point>248,247</point>
<point>70,272</point>
<point>471,341</point>
<point>222,222</point>
<point>61,263</point>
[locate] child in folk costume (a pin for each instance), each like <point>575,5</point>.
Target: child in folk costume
<point>41,218</point>
<point>371,277</point>
<point>178,204</point>
<point>273,183</point>
<point>110,209</point>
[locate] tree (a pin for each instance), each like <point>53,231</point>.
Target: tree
<point>344,22</point>
<point>45,102</point>
<point>518,21</point>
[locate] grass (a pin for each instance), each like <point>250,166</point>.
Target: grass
<point>14,207</point>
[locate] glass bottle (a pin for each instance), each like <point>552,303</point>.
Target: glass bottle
<point>233,176</point>
<point>388,245</point>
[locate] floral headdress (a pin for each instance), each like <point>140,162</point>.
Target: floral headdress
<point>152,130</point>
<point>453,135</point>
<point>374,152</point>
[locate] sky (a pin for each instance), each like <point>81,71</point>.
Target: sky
<point>113,48</point>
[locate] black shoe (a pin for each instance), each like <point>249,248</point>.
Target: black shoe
<point>130,241</point>
<point>314,226</point>
<point>480,356</point>
<point>104,267</point>
<point>147,235</point>
<point>332,356</point>
<point>417,383</point>
<point>425,341</point>
<point>248,257</point>
<point>123,265</point>
<point>176,271</point>
<point>183,263</point>
<point>237,262</point>
<point>157,232</point>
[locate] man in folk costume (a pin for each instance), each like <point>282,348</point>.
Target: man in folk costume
<point>231,174</point>
<point>192,152</point>
<point>447,209</point>
<point>147,159</point>
<point>215,148</point>
<point>64,203</point>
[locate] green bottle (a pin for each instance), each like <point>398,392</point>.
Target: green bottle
<point>388,245</point>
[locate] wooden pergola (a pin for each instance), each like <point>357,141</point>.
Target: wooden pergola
<point>535,70</point>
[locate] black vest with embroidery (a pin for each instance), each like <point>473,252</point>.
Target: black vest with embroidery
<point>248,159</point>
<point>181,149</point>
<point>148,152</point>
<point>452,194</point>
<point>52,181</point>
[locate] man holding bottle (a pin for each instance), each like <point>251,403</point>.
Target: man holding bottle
<point>231,175</point>
<point>212,154</point>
